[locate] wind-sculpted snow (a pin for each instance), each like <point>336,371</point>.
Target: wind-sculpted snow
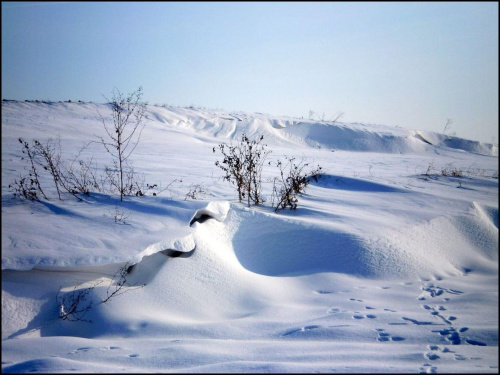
<point>229,126</point>
<point>266,244</point>
<point>488,213</point>
<point>90,240</point>
<point>456,143</point>
<point>182,245</point>
<point>214,210</point>
<point>387,264</point>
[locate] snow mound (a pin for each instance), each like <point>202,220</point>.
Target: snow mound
<point>183,245</point>
<point>269,245</point>
<point>335,136</point>
<point>249,261</point>
<point>214,210</point>
<point>438,139</point>
<point>488,213</point>
<point>277,130</point>
<point>445,246</point>
<point>83,234</point>
<point>55,364</point>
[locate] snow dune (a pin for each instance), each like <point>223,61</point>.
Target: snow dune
<point>386,266</point>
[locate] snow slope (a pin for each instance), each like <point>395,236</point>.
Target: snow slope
<point>387,265</point>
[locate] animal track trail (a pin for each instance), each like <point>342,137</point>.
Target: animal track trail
<point>356,300</point>
<point>434,353</point>
<point>87,348</point>
<point>451,334</point>
<point>383,336</point>
<point>435,311</point>
<point>359,316</point>
<point>431,291</point>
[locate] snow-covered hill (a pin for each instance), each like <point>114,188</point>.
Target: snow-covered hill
<point>387,265</point>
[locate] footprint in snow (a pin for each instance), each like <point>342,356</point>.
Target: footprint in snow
<point>435,312</point>
<point>435,291</point>
<point>385,336</point>
<point>431,355</point>
<point>359,316</point>
<point>427,369</point>
<point>436,348</point>
<point>333,310</point>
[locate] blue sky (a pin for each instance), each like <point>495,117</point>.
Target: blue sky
<point>413,65</point>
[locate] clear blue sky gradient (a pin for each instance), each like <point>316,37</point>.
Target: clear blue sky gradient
<point>413,65</point>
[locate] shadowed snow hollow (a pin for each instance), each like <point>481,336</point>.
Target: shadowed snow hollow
<point>246,260</point>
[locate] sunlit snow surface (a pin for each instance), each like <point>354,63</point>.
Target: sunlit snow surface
<point>380,269</point>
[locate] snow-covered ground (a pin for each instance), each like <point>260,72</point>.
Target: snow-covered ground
<point>387,265</point>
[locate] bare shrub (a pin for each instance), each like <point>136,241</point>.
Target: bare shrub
<point>28,186</point>
<point>291,182</point>
<point>123,135</point>
<point>25,188</point>
<point>82,178</point>
<point>448,124</point>
<point>428,172</point>
<point>451,170</point>
<point>76,177</point>
<point>119,216</point>
<point>336,116</point>
<point>243,166</point>
<point>49,158</point>
<point>74,305</point>
<point>157,190</point>
<point>195,191</point>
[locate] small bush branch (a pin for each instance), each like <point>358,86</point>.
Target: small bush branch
<point>74,305</point>
<point>120,283</point>
<point>451,170</point>
<point>195,191</point>
<point>28,186</point>
<point>50,159</point>
<point>119,216</point>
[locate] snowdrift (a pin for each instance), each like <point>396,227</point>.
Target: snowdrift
<point>385,261</point>
<point>230,126</point>
<point>456,143</point>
